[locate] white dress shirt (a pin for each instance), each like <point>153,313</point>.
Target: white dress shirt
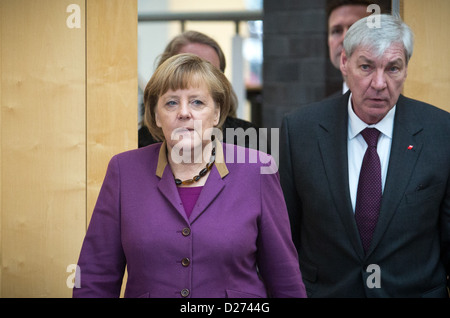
<point>344,87</point>
<point>356,146</point>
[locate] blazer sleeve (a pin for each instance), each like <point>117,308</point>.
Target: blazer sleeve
<point>287,179</point>
<point>102,261</point>
<point>445,233</point>
<point>277,256</point>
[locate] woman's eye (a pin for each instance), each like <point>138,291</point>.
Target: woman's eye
<point>197,102</point>
<point>171,103</point>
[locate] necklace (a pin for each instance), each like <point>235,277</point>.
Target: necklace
<point>202,172</point>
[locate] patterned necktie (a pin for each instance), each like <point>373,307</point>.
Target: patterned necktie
<point>368,198</point>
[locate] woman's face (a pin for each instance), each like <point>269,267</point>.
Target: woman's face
<point>187,116</point>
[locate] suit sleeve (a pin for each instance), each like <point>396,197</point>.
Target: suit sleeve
<point>287,178</point>
<point>102,261</point>
<point>445,233</point>
<point>277,256</point>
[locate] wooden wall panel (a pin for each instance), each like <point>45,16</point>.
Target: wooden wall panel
<point>43,148</point>
<point>0,152</point>
<point>68,103</point>
<point>428,73</point>
<point>111,76</point>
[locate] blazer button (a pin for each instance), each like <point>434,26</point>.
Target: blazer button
<point>185,292</point>
<point>186,231</point>
<point>185,262</point>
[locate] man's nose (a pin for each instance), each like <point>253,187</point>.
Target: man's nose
<point>344,32</point>
<point>379,80</point>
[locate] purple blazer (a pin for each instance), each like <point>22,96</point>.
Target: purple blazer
<point>236,242</point>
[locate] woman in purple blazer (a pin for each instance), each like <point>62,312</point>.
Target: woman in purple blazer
<point>189,217</point>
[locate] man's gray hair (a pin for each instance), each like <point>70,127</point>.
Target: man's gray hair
<point>391,30</point>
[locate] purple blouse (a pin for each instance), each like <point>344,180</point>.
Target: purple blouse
<point>189,197</point>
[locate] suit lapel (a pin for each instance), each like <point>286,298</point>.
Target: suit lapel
<point>405,151</point>
<point>332,133</point>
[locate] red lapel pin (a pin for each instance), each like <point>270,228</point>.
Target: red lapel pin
<point>410,147</point>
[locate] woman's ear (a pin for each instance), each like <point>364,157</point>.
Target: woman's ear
<point>157,121</point>
<point>216,115</point>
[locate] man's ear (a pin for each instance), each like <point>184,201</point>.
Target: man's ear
<point>343,64</point>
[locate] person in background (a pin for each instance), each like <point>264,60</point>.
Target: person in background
<point>183,221</point>
<point>366,177</point>
<point>207,48</point>
<point>341,15</point>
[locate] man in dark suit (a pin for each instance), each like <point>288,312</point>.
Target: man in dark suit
<point>403,250</point>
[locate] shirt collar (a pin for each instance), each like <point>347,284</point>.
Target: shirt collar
<point>219,162</point>
<point>356,125</point>
<point>344,87</point>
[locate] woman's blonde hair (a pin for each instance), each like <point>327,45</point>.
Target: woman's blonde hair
<point>184,71</point>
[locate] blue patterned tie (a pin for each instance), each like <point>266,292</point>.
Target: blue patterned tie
<point>368,198</point>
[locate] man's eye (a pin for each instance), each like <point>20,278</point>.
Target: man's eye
<point>336,31</point>
<point>365,67</point>
<point>394,69</point>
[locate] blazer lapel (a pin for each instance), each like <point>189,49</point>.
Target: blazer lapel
<point>405,151</point>
<point>166,183</point>
<point>169,190</point>
<point>332,135</point>
<point>213,186</point>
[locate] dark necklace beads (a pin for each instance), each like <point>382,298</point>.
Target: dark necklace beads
<point>202,172</point>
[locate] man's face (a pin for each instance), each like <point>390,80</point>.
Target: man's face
<point>202,50</point>
<point>340,20</point>
<point>375,81</point>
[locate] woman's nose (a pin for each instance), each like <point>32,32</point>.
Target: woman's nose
<point>184,111</point>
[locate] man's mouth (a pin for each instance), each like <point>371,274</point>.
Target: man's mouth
<point>378,100</point>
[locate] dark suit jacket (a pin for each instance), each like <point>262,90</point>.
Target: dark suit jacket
<point>412,238</point>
